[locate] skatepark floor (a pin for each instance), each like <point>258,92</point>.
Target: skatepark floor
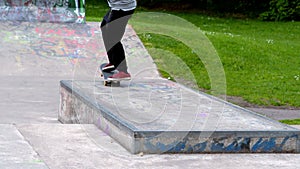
<point>34,58</point>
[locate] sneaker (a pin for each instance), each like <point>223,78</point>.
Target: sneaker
<point>120,76</point>
<point>108,68</point>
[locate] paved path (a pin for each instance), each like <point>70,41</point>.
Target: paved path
<point>278,114</point>
<point>34,57</point>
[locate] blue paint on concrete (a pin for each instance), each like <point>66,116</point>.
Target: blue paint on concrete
<point>264,144</point>
<point>189,149</point>
<point>284,142</point>
<point>179,147</point>
<point>233,147</point>
<point>162,147</point>
<point>175,147</point>
<point>241,144</point>
<point>217,147</point>
<point>200,147</point>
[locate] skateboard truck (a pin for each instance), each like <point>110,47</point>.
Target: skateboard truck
<point>105,75</point>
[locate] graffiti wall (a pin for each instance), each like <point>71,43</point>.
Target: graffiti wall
<point>68,11</point>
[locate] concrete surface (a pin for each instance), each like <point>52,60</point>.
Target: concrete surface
<point>41,54</point>
<point>160,116</point>
<point>16,152</point>
<point>41,11</point>
<point>278,114</point>
<point>84,146</point>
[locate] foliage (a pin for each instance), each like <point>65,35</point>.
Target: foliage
<point>246,7</point>
<point>282,10</point>
<point>291,122</point>
<point>171,4</point>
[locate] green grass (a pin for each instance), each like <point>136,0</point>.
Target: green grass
<point>187,65</point>
<point>261,59</point>
<point>291,122</point>
<point>95,10</point>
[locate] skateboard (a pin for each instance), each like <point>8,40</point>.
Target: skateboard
<point>105,75</point>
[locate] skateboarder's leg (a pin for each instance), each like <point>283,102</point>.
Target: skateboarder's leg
<point>117,55</point>
<point>113,28</point>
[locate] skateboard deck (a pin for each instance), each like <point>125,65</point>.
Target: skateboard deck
<point>105,76</point>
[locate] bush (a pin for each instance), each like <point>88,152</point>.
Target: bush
<point>282,10</point>
<point>246,7</point>
<point>173,4</point>
<point>272,10</point>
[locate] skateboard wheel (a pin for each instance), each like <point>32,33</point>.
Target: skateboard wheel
<point>112,83</point>
<point>116,84</point>
<point>107,83</point>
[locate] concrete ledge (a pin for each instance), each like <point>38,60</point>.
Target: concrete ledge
<point>159,116</point>
<point>79,109</point>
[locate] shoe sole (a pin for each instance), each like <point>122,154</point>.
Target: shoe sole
<point>108,69</point>
<point>119,79</point>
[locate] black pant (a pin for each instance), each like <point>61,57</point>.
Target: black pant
<point>113,28</point>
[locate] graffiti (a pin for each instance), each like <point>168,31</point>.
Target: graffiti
<point>202,114</point>
<point>134,46</point>
<point>166,91</point>
<point>105,128</point>
<point>69,11</point>
<point>73,43</point>
<point>70,42</point>
<point>224,144</point>
<point>165,86</point>
<point>75,31</point>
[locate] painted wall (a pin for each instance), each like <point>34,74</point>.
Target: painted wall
<point>43,10</point>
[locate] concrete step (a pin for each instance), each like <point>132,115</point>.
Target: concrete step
<point>73,146</point>
<point>15,151</point>
<point>160,116</point>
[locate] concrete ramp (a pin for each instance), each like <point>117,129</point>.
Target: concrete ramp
<point>66,11</point>
<point>160,116</point>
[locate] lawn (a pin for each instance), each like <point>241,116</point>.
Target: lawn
<point>291,122</point>
<point>261,60</point>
